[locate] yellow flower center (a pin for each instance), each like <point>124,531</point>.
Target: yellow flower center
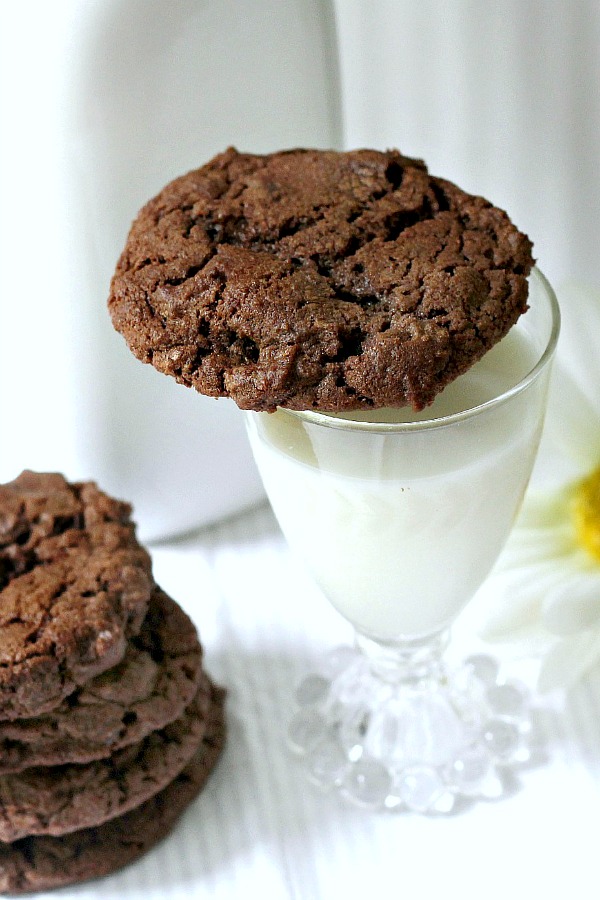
<point>586,512</point>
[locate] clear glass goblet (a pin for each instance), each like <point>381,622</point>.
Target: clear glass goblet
<point>399,517</point>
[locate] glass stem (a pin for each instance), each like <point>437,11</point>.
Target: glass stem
<point>412,661</point>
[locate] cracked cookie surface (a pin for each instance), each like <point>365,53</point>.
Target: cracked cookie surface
<point>42,862</point>
<point>318,280</point>
<point>74,587</point>
<point>61,799</point>
<point>149,688</point>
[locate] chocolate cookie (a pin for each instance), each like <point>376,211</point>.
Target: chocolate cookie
<point>41,863</point>
<point>157,678</point>
<point>318,280</point>
<point>67,798</point>
<point>74,587</point>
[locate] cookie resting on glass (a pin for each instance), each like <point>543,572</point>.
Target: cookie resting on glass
<point>318,280</point>
<point>391,342</point>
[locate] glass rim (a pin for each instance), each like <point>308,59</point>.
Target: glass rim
<point>328,421</point>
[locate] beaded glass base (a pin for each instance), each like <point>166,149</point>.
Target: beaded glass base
<point>397,728</point>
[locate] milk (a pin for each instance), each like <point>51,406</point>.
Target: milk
<point>399,527</point>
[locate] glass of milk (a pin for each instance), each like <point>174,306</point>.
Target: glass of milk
<point>399,517</point>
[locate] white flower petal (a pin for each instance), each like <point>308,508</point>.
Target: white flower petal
<point>568,660</point>
<point>573,605</point>
<point>572,427</point>
<point>533,546</point>
<point>544,592</point>
<point>543,529</point>
<point>578,344</point>
<point>517,597</point>
<point>529,547</point>
<point>513,601</point>
<point>542,510</point>
<point>570,443</point>
<point>514,621</point>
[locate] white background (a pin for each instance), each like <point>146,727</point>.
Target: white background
<point>103,101</point>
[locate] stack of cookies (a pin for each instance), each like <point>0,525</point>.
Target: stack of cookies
<point>109,725</point>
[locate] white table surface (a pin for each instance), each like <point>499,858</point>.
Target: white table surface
<point>260,829</point>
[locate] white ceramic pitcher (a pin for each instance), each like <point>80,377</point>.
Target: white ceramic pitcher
<point>107,100</point>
